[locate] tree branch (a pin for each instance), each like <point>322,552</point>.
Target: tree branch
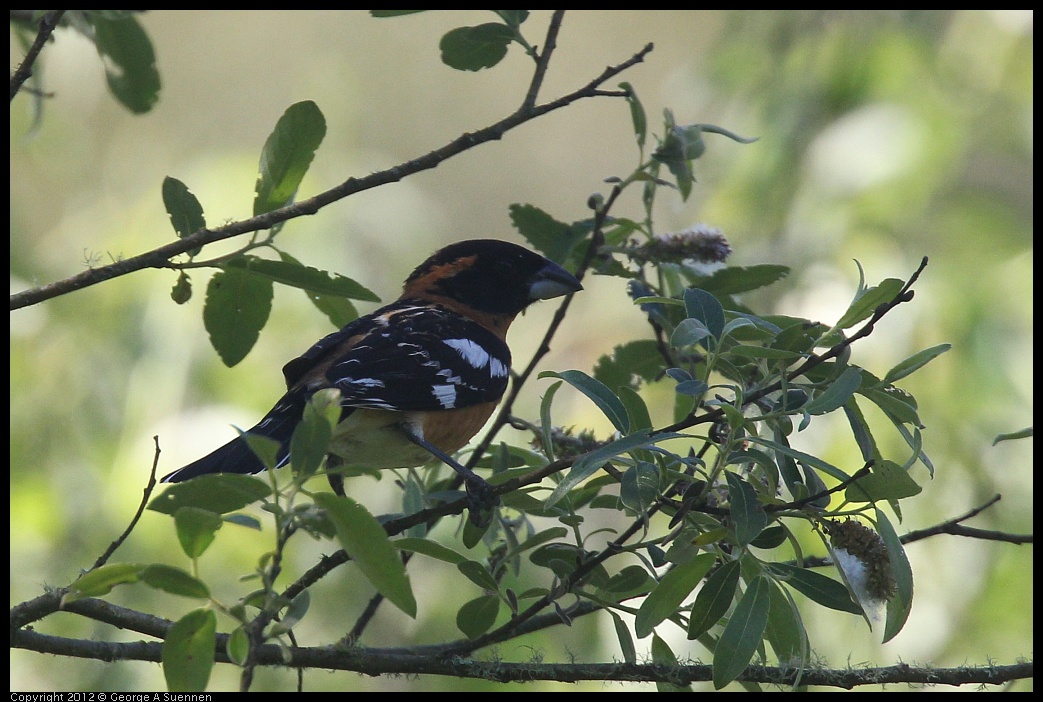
<point>363,661</point>
<point>48,23</point>
<point>160,257</point>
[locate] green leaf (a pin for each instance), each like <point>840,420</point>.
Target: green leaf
<point>743,634</point>
<point>186,214</point>
<point>589,463</point>
<point>630,364</point>
<point>739,279</point>
<point>429,548</point>
<point>897,404</point>
<point>477,574</point>
<point>287,154</point>
<point>291,272</point>
<point>130,61</point>
<point>665,599</point>
<point>714,599</point>
<point>368,545</point>
<point>626,641</point>
<point>639,487</point>
<point>748,516</point>
<point>817,587</point>
<point>196,529</point>
<point>188,651</point>
<point>703,306</point>
<point>238,646</point>
<point>901,604</point>
<point>809,459</point>
<point>475,48</point>
<point>393,13</point>
<point>915,362</point>
<point>637,410</point>
<point>546,425</point>
<point>236,309</point>
<point>604,398</point>
<point>838,392</point>
<point>477,616</point>
<point>220,493</point>
<point>637,114</point>
<point>785,631</point>
<point>555,240</point>
<point>182,290</point>
<point>1020,434</point>
<point>690,332</point>
<point>312,436</point>
<point>887,481</point>
<point>175,581</point>
<point>662,655</point>
<point>100,581</point>
<point>866,303</point>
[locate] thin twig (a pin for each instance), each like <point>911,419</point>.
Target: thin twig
<point>48,23</point>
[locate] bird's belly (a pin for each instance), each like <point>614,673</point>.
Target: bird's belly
<point>377,439</point>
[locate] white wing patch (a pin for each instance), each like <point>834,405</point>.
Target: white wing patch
<point>478,357</point>
<point>445,394</point>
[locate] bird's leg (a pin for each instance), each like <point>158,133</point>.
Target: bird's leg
<point>481,499</point>
<point>336,478</point>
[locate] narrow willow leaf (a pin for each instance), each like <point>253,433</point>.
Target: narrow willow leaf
<point>601,396</point>
<point>175,581</point>
<point>865,304</point>
<point>637,114</point>
<point>915,362</point>
<point>368,545</point>
<point>901,605</point>
<point>743,634</point>
<point>838,392</point>
<point>785,631</point>
<point>1020,434</point>
<point>100,581</point>
<point>748,516</point>
<point>626,641</point>
<point>429,548</point>
<point>821,589</point>
<point>714,599</point>
<point>591,462</point>
<point>188,651</point>
<point>546,425</point>
<point>293,273</point>
<point>666,598</point>
<point>662,655</point>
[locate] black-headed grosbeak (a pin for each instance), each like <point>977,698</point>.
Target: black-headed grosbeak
<point>418,377</point>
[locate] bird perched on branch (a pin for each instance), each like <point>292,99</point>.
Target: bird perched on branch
<point>417,378</point>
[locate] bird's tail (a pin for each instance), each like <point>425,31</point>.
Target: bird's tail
<point>237,457</point>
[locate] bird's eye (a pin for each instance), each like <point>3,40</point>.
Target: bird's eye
<point>503,266</point>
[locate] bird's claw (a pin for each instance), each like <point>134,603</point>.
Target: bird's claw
<point>482,500</point>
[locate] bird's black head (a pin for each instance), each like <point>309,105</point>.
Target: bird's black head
<point>490,276</point>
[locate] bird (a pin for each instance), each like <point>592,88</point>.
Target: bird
<point>419,377</point>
